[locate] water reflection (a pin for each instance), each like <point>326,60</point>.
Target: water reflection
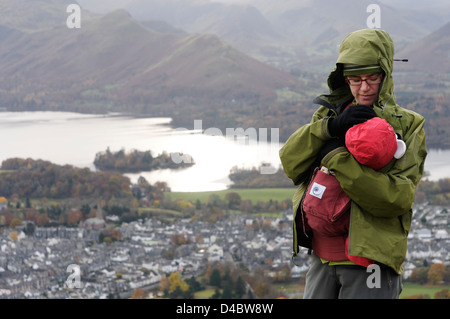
<point>437,165</point>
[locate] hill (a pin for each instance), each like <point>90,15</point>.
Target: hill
<point>299,35</point>
<point>243,26</point>
<point>288,34</point>
<point>115,63</point>
<point>429,54</point>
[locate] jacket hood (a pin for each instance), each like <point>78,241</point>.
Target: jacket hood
<point>364,47</point>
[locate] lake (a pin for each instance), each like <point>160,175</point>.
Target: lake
<point>73,138</point>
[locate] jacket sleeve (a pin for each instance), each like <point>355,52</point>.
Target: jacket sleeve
<point>301,149</point>
<point>390,191</point>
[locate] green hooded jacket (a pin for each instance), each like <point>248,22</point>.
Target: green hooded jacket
<point>382,200</point>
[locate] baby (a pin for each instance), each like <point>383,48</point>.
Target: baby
<point>374,143</point>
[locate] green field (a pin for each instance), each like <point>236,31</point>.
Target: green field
<point>205,294</point>
<point>255,195</point>
<point>161,211</point>
<point>409,289</point>
<point>295,290</point>
<point>416,289</point>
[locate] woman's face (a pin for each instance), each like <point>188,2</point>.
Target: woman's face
<point>365,87</point>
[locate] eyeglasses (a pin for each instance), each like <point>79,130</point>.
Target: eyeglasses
<point>371,80</point>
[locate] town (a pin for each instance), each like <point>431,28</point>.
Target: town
<point>36,266</point>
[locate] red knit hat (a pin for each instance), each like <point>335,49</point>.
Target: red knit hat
<point>372,143</point>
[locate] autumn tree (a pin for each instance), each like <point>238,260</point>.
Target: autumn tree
<point>419,275</point>
<point>233,199</point>
<point>261,289</point>
<point>246,206</point>
<point>215,214</point>
<point>178,239</point>
<point>208,273</point>
<point>164,284</point>
<point>178,288</point>
<point>158,189</point>
<point>436,273</point>
<point>31,215</point>
<point>442,294</point>
<point>74,217</point>
<point>38,179</point>
<point>175,280</point>
<point>266,224</point>
<point>15,222</point>
<point>115,234</point>
<point>14,236</point>
<point>138,294</point>
<point>42,219</point>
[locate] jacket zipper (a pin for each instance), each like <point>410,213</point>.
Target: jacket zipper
<point>350,227</point>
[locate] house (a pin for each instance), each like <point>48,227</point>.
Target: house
<point>94,223</point>
<point>424,234</point>
<point>215,253</point>
<point>441,234</point>
<point>3,203</point>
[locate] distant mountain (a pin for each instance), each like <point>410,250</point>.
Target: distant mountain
<point>114,63</point>
<point>162,27</point>
<point>103,6</point>
<point>430,15</point>
<point>288,34</point>
<point>429,54</point>
<point>415,4</point>
<point>243,26</point>
<point>293,35</point>
<point>316,28</point>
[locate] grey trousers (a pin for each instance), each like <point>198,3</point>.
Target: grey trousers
<point>351,282</point>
